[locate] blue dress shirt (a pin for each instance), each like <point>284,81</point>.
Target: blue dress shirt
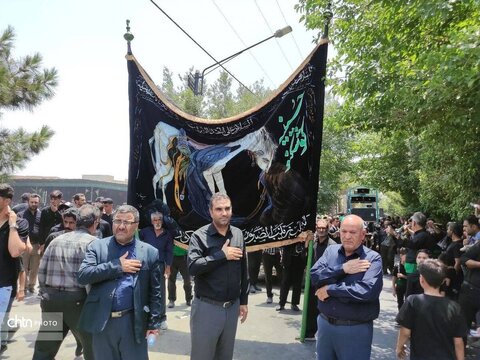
<point>352,297</point>
<point>163,243</point>
<point>123,297</point>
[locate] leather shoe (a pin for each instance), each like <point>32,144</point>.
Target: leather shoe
<point>295,307</point>
<point>258,288</point>
<point>189,302</point>
<point>252,290</point>
<point>280,308</point>
<point>3,349</point>
<point>171,304</point>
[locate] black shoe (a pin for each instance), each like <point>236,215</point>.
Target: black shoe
<point>79,350</point>
<point>295,307</point>
<point>3,349</point>
<point>258,288</point>
<point>280,307</point>
<point>189,302</point>
<point>251,290</point>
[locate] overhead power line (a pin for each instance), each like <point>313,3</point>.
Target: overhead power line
<point>268,25</point>
<point>244,44</point>
<point>200,46</point>
<point>293,37</point>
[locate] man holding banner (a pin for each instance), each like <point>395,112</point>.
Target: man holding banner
<point>217,259</point>
<point>349,281</point>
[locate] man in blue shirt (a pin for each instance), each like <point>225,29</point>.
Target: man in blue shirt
<point>124,304</point>
<point>162,240</point>
<point>348,278</point>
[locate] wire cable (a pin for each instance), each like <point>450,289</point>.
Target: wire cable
<point>266,22</point>
<point>293,37</point>
<point>243,42</point>
<point>200,46</point>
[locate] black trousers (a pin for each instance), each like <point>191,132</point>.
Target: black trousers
<point>469,300</point>
<point>179,264</point>
<point>269,261</point>
<point>254,261</point>
<point>388,258</point>
<point>312,313</point>
<point>293,267</point>
<point>70,304</point>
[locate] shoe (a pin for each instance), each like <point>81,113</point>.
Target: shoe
<point>164,325</point>
<point>251,290</point>
<point>280,308</point>
<point>269,299</point>
<point>78,350</point>
<point>189,302</point>
<point>259,289</point>
<point>295,307</point>
<point>171,304</point>
<point>3,349</point>
<point>310,338</point>
<point>31,289</point>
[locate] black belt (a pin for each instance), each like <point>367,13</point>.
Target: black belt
<point>118,314</point>
<point>224,304</point>
<point>61,288</point>
<point>334,321</point>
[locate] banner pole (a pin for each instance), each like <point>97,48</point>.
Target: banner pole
<point>306,292</point>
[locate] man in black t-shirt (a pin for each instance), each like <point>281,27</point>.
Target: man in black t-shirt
<point>13,235</point>
<point>433,323</point>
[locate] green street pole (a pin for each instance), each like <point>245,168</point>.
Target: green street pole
<point>306,292</point>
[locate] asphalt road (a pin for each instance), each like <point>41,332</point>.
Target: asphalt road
<point>266,335</point>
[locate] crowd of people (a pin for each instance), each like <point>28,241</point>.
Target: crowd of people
<point>108,279</point>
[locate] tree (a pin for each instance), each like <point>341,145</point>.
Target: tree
<point>408,72</point>
<point>220,99</point>
<point>23,85</point>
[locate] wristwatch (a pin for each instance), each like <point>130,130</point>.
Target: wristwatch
<point>14,226</point>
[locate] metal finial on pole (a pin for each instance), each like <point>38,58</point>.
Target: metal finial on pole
<point>129,37</point>
<point>328,17</point>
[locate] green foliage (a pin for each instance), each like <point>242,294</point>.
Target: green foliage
<point>409,75</point>
<point>23,85</point>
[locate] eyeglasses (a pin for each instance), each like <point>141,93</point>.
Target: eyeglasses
<point>124,222</point>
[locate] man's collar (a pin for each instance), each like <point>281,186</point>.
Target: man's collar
<point>212,230</point>
<point>359,251</point>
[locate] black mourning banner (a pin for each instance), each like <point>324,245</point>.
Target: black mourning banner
<point>266,159</point>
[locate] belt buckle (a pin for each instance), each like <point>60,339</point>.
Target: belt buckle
<point>116,314</point>
<point>226,304</point>
<point>332,320</point>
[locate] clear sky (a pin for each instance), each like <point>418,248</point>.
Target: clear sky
<point>84,41</point>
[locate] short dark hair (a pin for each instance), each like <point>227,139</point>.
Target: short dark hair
<point>403,251</point>
<point>77,196</point>
<point>457,229</point>
<point>433,272</point>
<point>217,196</point>
<point>426,251</point>
<point>6,191</point>
<point>25,197</point>
<point>71,213</point>
<point>56,194</point>
<point>472,220</point>
<point>34,195</point>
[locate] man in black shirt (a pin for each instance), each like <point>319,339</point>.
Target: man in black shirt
<point>50,216</point>
<point>31,260</point>
<point>217,259</point>
<point>420,239</point>
<point>469,298</point>
<point>13,235</point>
